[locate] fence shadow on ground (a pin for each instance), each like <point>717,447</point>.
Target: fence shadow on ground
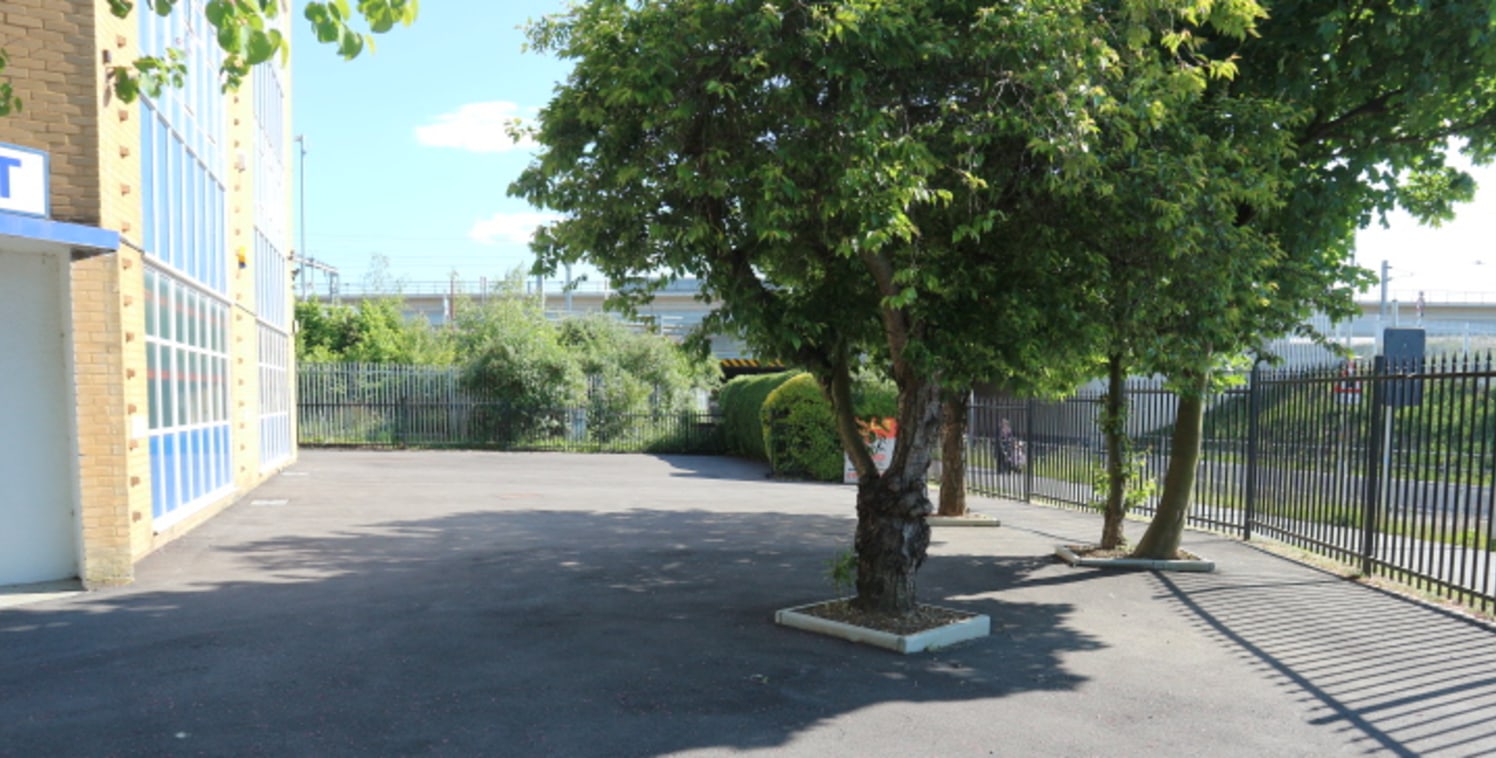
<point>1370,665</point>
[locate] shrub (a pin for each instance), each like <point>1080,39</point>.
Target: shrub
<point>799,426</point>
<point>741,401</point>
<point>800,431</point>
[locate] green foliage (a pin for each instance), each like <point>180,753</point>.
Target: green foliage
<point>800,431</point>
<point>524,368</point>
<point>741,401</point>
<point>901,219</point>
<point>629,372</point>
<point>246,33</point>
<point>9,103</point>
<point>874,397</point>
<point>513,354</point>
<point>841,571</point>
<point>1139,488</point>
<point>374,331</point>
<point>799,425</point>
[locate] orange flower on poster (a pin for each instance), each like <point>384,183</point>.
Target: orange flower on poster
<point>878,428</point>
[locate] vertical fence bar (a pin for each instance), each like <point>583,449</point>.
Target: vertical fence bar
<point>1466,475</point>
<point>973,446</point>
<point>1485,430</point>
<point>1373,464</point>
<point>1254,409</point>
<point>1028,436</point>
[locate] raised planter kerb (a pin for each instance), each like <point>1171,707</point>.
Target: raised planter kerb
<point>1068,555</point>
<point>970,518</point>
<point>973,626</point>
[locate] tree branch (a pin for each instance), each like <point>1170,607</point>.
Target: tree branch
<point>1321,130</point>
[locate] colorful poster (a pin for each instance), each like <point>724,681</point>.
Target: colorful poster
<point>880,434</point>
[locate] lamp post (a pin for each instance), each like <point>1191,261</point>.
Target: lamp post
<point>301,143</point>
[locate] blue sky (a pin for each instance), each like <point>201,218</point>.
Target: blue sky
<point>406,159</point>
<point>406,153</point>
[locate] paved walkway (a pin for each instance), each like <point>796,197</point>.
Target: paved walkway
<point>400,603</point>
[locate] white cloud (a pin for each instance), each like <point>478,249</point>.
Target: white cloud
<point>517,228</point>
<point>479,127</point>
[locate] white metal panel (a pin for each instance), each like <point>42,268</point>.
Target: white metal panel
<point>38,506</point>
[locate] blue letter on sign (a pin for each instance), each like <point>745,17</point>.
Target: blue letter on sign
<point>6,164</point>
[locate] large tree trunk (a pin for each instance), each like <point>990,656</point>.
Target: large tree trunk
<point>1161,541</point>
<point>954,407</point>
<point>892,535</point>
<point>1114,431</point>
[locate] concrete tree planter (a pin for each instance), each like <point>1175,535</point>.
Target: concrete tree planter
<point>971,518</point>
<point>1068,554</point>
<point>968,626</point>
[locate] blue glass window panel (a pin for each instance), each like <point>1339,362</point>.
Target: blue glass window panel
<point>169,483</point>
<point>225,457</point>
<point>194,453</point>
<point>158,480</point>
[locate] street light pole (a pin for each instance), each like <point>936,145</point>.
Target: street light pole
<point>301,142</point>
<point>1383,311</point>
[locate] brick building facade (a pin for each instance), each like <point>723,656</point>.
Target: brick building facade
<point>169,225</point>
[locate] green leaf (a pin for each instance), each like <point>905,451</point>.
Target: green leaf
<point>350,44</point>
<point>261,47</point>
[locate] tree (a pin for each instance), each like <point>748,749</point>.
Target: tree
<point>512,354</point>
<point>629,372</point>
<point>848,179</point>
<point>1176,280</point>
<point>1368,98</point>
<point>373,331</point>
<point>955,406</point>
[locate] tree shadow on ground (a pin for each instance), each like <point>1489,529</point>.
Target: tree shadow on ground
<point>636,632</point>
<point>1388,673</point>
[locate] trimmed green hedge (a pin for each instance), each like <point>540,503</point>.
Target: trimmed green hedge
<point>800,431</point>
<point>786,420</point>
<point>741,401</point>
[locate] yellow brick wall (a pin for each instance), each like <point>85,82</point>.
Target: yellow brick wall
<point>120,210</point>
<point>58,51</point>
<point>103,462</point>
<point>50,44</point>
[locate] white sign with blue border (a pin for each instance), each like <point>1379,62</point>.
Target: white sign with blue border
<point>23,180</point>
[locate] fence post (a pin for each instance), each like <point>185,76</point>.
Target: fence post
<point>1028,436</point>
<point>1371,503</point>
<point>970,452</point>
<point>1254,408</point>
<point>402,422</point>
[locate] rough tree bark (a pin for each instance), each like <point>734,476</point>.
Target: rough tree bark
<point>954,408</point>
<point>1114,430</point>
<point>1161,541</point>
<point>892,534</point>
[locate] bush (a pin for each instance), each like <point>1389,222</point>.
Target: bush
<point>741,401</point>
<point>800,431</point>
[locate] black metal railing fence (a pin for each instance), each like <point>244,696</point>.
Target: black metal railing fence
<point>386,405</point>
<point>1388,468</point>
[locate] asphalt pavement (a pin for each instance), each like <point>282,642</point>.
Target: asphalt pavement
<point>514,604</point>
